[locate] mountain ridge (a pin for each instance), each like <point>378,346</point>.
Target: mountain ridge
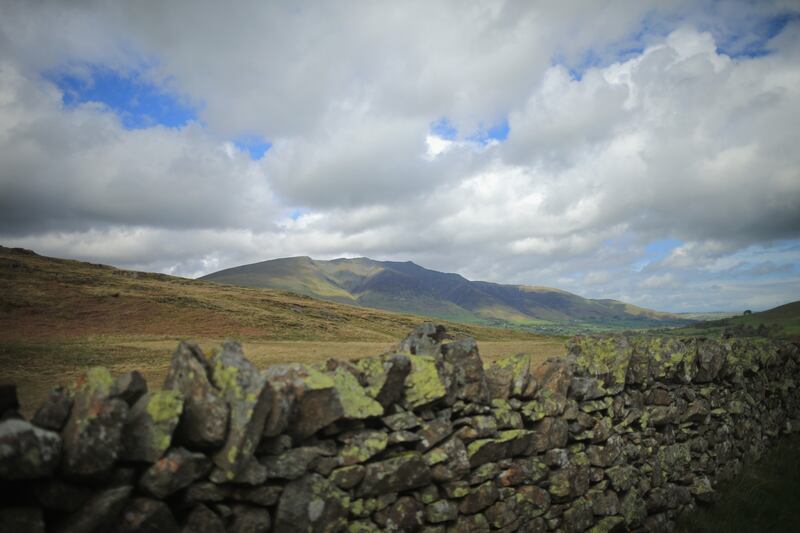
<point>410,288</point>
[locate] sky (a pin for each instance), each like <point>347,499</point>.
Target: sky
<point>638,150</point>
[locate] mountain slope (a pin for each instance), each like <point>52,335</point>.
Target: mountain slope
<point>410,288</point>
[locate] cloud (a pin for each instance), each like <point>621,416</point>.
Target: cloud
<point>627,123</point>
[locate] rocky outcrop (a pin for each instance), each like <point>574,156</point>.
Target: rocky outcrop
<point>624,433</point>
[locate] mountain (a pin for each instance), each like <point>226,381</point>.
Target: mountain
<point>409,288</point>
<point>43,298</point>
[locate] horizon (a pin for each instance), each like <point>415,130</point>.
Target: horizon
<point>632,151</point>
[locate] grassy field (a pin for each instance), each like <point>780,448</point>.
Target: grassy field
<point>58,317</point>
<point>764,498</point>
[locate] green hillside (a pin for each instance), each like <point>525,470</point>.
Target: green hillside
<point>782,321</point>
<point>409,288</point>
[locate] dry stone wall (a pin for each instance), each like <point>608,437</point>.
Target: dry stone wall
<point>622,434</point>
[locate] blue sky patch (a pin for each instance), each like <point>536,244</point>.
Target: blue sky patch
<point>442,128</point>
<point>497,132</point>
<point>752,42</point>
<point>294,214</point>
<point>137,102</point>
<point>255,145</point>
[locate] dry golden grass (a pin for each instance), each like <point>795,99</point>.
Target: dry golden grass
<point>58,317</point>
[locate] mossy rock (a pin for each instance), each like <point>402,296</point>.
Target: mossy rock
<point>424,385</point>
<point>357,405</point>
<point>606,358</point>
<point>152,420</point>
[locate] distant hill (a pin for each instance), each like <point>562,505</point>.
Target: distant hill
<point>409,288</point>
<point>44,297</point>
<point>781,321</point>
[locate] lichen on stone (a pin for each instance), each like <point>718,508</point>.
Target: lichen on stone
<point>424,385</point>
<point>355,402</point>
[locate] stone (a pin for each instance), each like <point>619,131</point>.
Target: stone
<point>479,498</point>
<point>501,514</point>
<point>448,461</point>
<point>711,359</point>
<point>362,526</point>
<point>475,523</point>
<point>292,463</point>
<point>441,511</point>
<point>406,514</point>
<point>249,519</point>
<point>605,456</point>
<point>605,358</point>
<point>660,415</point>
<point>175,471</point>
<point>312,397</point>
<point>54,412</point>
<point>622,477</point>
<point>130,386</point>
<point>425,339</point>
<point>58,495</point>
<point>671,359</point>
<point>245,389</point>
<point>469,380</point>
<point>506,417</point>
<point>361,446</point>
<point>433,433</point>
<point>554,375</point>
<point>702,490</point>
<point>356,404</point>
<point>633,509</point>
<point>92,436</point>
<point>26,451</point>
<point>402,437</point>
<point>697,411</point>
<point>21,520</point>
<point>604,502</point>
<point>205,491</point>
<point>204,422</point>
<point>424,384</point>
<point>511,378</point>
<point>311,504</point>
<point>148,431</point>
<point>201,519</point>
<point>403,472</point>
<point>347,477</point>
<point>569,482</point>
<point>485,472</point>
<point>485,451</point>
<point>608,524</point>
<point>586,388</point>
<point>532,500</point>
<point>385,377</point>
<point>483,426</point>
<point>402,421</point>
<point>522,471</point>
<point>578,517</point>
<point>547,403</point>
<point>507,444</point>
<point>261,495</point>
<point>100,512</point>
<point>548,433</point>
<point>252,473</point>
<point>146,516</point>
